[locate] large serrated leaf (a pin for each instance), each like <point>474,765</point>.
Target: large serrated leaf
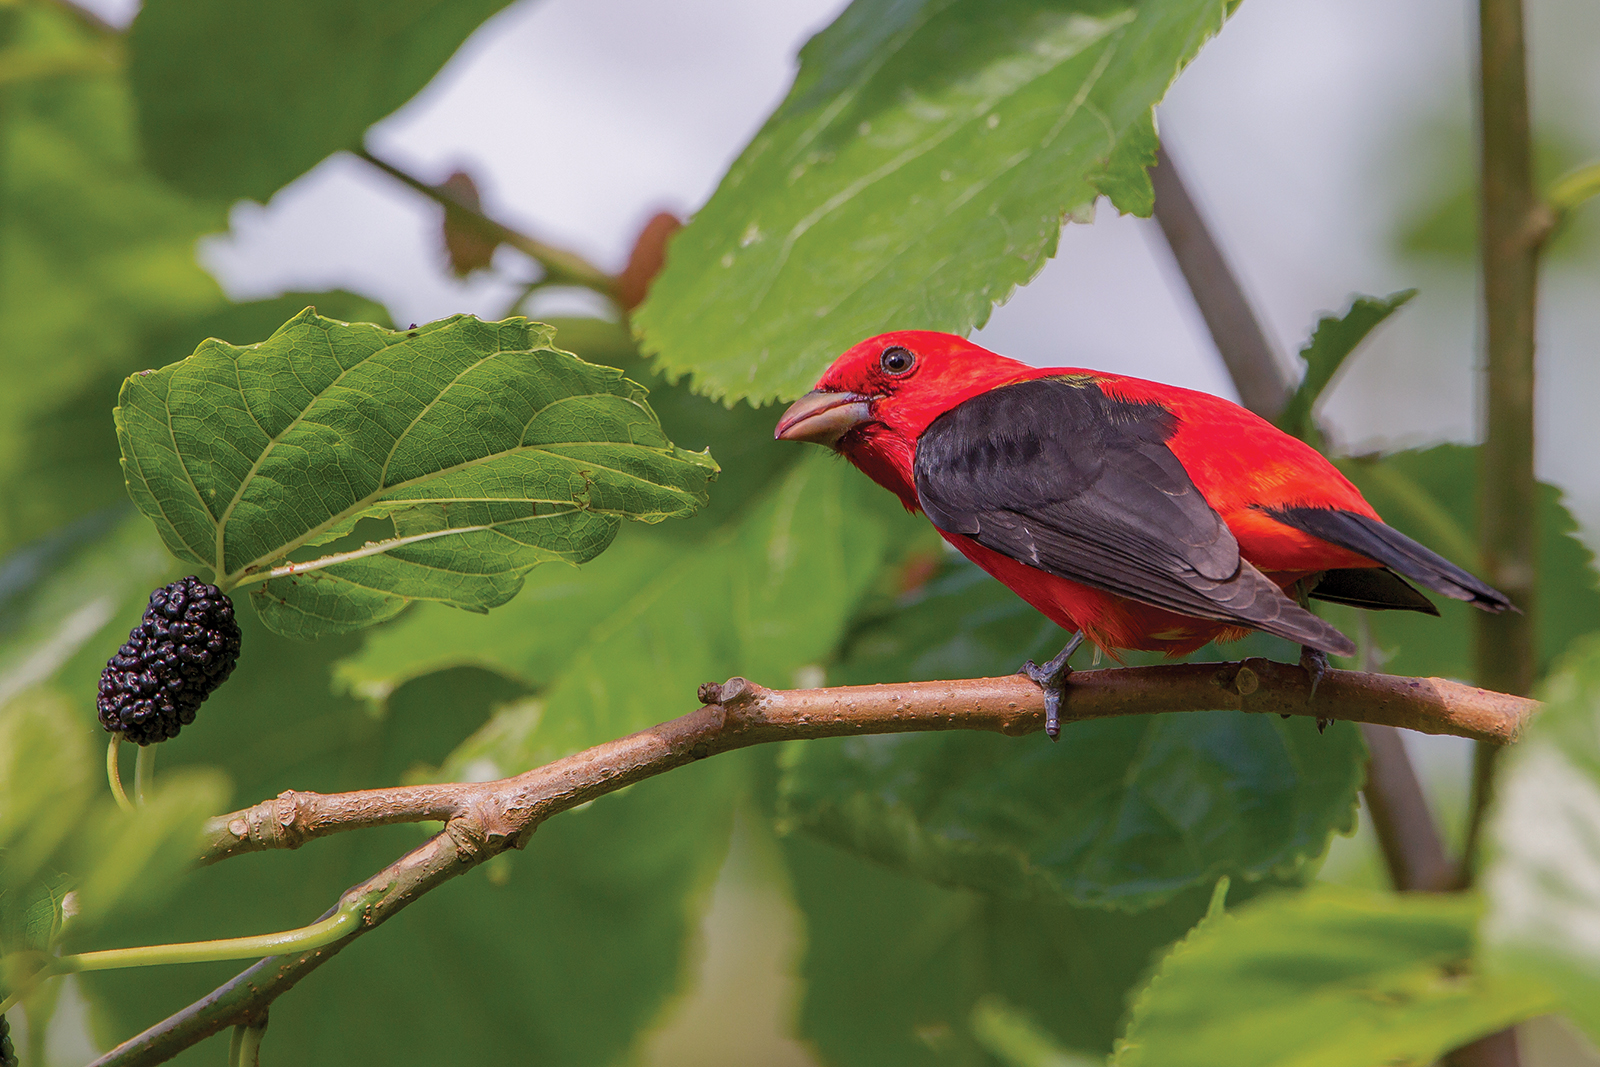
<point>917,173</point>
<point>479,449</point>
<point>1323,977</point>
<point>239,100</point>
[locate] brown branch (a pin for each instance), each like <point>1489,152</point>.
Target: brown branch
<point>1412,848</point>
<point>1011,705</point>
<point>561,266</point>
<point>484,819</point>
<point>1257,373</point>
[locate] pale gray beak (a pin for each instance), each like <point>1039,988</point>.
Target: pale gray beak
<point>823,417</point>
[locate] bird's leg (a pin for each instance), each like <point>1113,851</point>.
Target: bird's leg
<point>1052,678</point>
<point>1315,663</point>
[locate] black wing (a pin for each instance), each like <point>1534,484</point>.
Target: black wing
<point>1394,550</point>
<point>1057,475</point>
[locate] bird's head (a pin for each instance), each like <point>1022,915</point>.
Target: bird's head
<point>894,385</point>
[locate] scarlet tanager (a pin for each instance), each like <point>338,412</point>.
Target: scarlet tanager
<point>1140,515</point>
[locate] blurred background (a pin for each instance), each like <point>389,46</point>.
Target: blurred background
<point>1329,145</point>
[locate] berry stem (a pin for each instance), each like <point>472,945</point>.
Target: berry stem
<point>319,933</point>
<point>322,932</point>
<point>114,773</point>
<point>144,773</point>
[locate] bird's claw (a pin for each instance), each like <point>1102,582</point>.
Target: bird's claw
<point>1052,678</point>
<point>1314,662</point>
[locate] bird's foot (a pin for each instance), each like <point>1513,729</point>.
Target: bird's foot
<point>1315,663</point>
<point>1052,678</point>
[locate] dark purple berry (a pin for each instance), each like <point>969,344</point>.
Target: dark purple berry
<point>183,648</point>
<point>8,1054</point>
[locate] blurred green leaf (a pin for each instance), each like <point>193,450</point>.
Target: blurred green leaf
<point>1335,337</point>
<point>239,100</point>
<point>94,253</point>
<point>1567,601</point>
<point>1543,875</point>
<point>1017,1040</point>
<point>764,597</point>
<point>894,966</point>
<point>1323,976</point>
<point>1124,811</point>
<point>482,450</point>
<point>67,457</point>
<point>918,171</point>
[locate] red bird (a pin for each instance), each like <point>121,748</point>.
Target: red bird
<point>1140,515</point>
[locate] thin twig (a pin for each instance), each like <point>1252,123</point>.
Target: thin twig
<point>1257,373</point>
<point>562,267</point>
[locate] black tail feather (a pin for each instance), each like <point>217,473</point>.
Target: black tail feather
<point>1395,550</point>
<point>1373,588</point>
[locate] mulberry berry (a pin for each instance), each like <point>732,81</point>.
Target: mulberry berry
<point>8,1054</point>
<point>183,648</point>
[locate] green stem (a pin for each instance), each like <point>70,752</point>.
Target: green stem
<point>1573,188</point>
<point>319,933</point>
<point>114,773</point>
<point>235,1043</point>
<point>322,932</point>
<point>250,1043</point>
<point>144,773</point>
<point>1513,226</point>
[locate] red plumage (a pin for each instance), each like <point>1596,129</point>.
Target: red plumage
<point>1060,482</point>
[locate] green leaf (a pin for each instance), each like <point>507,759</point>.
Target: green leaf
<point>481,450</point>
<point>916,174</point>
<point>1335,337</point>
<point>1124,811</point>
<point>894,967</point>
<point>764,597</point>
<point>1323,976</point>
<point>1543,876</point>
<point>94,253</point>
<point>1431,495</point>
<point>238,101</point>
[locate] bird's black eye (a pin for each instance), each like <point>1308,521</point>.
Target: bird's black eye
<point>896,360</point>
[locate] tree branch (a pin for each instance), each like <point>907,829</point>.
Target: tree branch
<point>562,267</point>
<point>484,819</point>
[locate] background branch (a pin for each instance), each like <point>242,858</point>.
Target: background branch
<point>561,266</point>
<point>1257,373</point>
